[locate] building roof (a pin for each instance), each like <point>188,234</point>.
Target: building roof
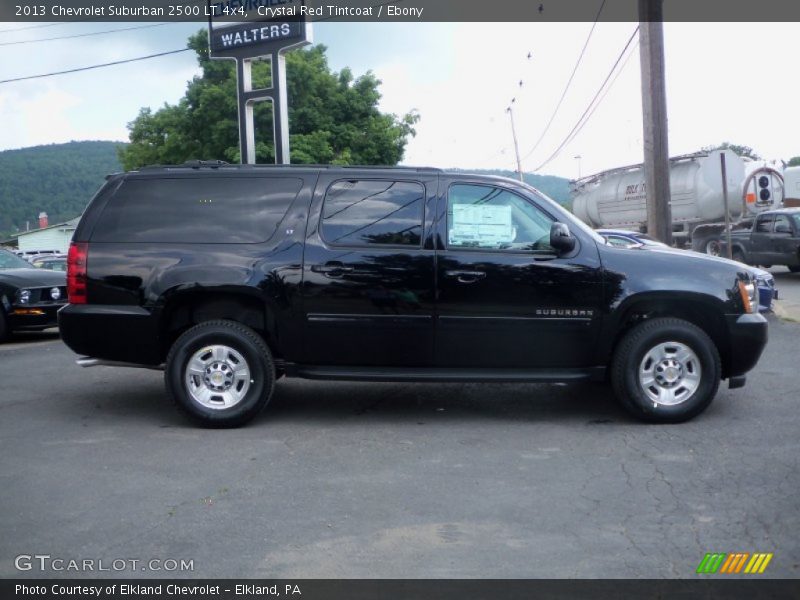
<point>71,224</point>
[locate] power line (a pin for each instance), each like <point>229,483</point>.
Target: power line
<point>580,122</point>
<point>569,83</point>
<point>109,64</point>
<point>80,35</point>
<point>31,27</point>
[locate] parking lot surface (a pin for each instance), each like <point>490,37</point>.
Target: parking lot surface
<point>383,480</point>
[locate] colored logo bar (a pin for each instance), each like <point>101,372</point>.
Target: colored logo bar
<point>733,563</point>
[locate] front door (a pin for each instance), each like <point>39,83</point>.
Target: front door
<point>368,271</point>
<point>505,299</point>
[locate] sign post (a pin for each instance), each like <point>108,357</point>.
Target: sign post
<point>253,36</point>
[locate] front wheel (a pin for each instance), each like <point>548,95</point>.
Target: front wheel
<point>220,374</point>
<point>666,370</point>
<point>713,247</point>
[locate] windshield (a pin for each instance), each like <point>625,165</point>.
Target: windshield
<point>9,260</point>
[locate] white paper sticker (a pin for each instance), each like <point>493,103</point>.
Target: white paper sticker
<point>481,225</point>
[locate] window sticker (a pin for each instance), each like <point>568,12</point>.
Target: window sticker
<point>481,225</point>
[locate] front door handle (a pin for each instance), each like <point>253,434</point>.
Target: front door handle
<point>332,268</point>
<point>465,276</point>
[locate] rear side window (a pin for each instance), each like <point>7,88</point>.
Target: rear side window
<point>373,212</point>
<point>221,210</point>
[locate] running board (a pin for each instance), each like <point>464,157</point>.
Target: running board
<point>87,361</point>
<point>444,375</point>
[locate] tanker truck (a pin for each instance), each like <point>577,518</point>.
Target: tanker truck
<point>616,199</point>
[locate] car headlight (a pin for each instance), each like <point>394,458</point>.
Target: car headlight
<point>749,294</point>
<point>55,294</point>
<point>24,296</point>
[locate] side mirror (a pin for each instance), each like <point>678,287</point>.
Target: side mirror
<point>561,239</point>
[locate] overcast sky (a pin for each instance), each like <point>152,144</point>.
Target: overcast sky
<point>725,82</point>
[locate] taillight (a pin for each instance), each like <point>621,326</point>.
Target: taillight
<point>76,272</point>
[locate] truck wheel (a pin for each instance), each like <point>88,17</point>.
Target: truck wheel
<point>738,255</point>
<point>665,370</point>
<point>220,374</point>
<point>795,269</point>
<point>713,247</point>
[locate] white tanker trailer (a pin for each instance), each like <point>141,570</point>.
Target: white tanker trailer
<point>616,199</point>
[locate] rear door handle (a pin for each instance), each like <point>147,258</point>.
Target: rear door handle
<point>465,276</point>
<point>332,269</point>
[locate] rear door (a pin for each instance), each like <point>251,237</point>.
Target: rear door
<point>505,299</point>
<point>368,270</point>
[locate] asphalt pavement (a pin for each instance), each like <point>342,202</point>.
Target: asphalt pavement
<point>384,480</point>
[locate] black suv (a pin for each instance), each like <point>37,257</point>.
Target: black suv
<point>229,277</point>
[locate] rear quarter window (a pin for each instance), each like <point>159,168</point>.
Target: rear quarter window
<point>221,210</point>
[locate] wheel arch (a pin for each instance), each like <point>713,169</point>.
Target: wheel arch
<point>706,312</point>
<point>185,308</point>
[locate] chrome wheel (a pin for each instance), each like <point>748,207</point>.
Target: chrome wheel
<point>217,377</point>
<point>670,373</point>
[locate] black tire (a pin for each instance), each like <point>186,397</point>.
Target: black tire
<point>629,358</point>
<point>5,331</point>
<point>244,343</point>
<point>795,269</point>
<point>738,256</point>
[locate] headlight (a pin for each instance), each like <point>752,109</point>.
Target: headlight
<point>55,294</point>
<point>748,291</point>
<point>24,296</point>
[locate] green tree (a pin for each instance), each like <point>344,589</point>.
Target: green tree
<point>743,151</point>
<point>794,162</point>
<point>333,117</point>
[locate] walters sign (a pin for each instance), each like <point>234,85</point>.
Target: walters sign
<point>251,28</point>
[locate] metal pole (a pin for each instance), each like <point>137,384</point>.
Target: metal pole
<point>654,116</point>
<point>247,136</point>
<point>725,201</point>
<point>280,105</point>
<point>516,145</point>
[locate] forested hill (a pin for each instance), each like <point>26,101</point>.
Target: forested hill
<point>555,187</point>
<point>58,179</point>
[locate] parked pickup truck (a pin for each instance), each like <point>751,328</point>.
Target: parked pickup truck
<point>774,239</point>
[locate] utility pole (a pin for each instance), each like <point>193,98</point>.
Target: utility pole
<point>510,112</point>
<point>654,117</point>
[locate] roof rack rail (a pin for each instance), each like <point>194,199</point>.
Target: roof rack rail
<point>215,164</point>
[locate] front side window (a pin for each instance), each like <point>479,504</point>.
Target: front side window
<point>782,224</point>
<point>492,218</point>
<point>764,224</point>
<point>373,212</point>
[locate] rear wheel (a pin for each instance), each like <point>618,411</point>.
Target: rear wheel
<point>220,374</point>
<point>666,370</point>
<point>795,269</point>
